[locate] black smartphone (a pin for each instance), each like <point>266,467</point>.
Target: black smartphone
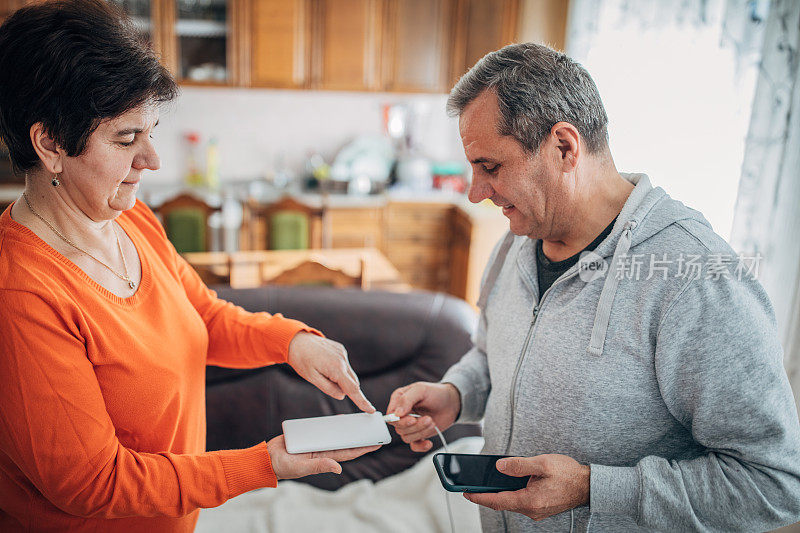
<point>466,472</point>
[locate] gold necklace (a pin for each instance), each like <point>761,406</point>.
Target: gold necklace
<point>126,278</point>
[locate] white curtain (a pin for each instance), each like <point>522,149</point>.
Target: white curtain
<point>767,216</point>
<point>716,71</point>
<point>677,79</point>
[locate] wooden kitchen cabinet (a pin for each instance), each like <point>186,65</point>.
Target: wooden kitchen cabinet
<point>476,230</point>
<point>345,44</point>
<point>280,33</point>
<point>146,17</point>
<point>355,227</point>
<point>201,43</point>
<point>353,45</point>
<point>417,239</point>
<point>482,26</point>
<point>417,45</point>
<point>460,240</point>
<point>441,246</point>
<point>9,6</point>
<point>315,44</point>
<point>543,21</point>
<point>201,40</point>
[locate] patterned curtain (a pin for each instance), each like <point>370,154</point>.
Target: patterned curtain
<point>741,20</point>
<point>678,79</point>
<point>767,214</point>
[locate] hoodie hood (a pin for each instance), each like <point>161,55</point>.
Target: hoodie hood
<point>647,211</point>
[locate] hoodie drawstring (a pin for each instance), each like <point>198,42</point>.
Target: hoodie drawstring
<point>494,270</point>
<point>613,277</point>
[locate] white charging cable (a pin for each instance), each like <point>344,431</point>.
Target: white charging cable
<point>391,417</point>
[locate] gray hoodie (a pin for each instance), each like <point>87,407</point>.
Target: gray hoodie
<point>672,388</point>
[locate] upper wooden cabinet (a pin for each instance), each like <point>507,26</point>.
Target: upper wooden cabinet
<point>354,45</point>
<point>316,44</point>
<point>373,45</point>
<point>145,16</point>
<point>346,40</point>
<point>279,43</point>
<point>417,45</point>
<point>196,40</point>
<point>482,26</point>
<point>201,40</point>
<point>543,21</point>
<point>9,6</point>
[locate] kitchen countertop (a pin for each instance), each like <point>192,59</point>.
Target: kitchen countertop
<point>155,195</point>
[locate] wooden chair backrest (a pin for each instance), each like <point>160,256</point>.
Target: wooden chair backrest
<point>258,217</point>
<point>313,272</point>
<point>287,203</point>
<point>187,201</point>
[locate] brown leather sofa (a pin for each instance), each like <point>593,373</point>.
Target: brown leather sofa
<point>392,340</point>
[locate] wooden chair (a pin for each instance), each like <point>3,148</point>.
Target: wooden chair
<point>314,272</point>
<point>364,267</point>
<point>214,268</point>
<point>270,226</point>
<point>185,219</point>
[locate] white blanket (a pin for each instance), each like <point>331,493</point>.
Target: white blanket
<point>411,501</point>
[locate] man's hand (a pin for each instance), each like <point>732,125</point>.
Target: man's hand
<point>558,483</point>
<point>438,403</point>
<point>323,363</point>
<point>291,466</point>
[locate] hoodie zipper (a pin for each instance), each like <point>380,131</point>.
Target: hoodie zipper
<point>536,310</point>
<point>628,226</point>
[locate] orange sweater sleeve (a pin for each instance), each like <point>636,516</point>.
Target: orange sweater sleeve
<point>54,426</point>
<point>238,338</point>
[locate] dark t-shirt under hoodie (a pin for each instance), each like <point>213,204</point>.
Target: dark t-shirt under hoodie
<point>548,271</point>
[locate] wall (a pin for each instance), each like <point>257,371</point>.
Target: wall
<point>253,126</point>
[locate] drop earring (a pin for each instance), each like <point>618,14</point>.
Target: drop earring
<point>55,181</point>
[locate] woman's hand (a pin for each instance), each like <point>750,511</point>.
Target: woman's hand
<point>291,466</point>
<point>323,363</point>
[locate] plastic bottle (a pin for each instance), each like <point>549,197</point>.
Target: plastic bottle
<point>212,164</point>
<point>193,176</point>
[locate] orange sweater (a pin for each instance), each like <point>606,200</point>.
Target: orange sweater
<point>102,399</point>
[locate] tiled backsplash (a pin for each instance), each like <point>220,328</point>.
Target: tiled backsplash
<point>256,126</point>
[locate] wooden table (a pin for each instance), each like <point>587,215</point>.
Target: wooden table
<point>249,268</point>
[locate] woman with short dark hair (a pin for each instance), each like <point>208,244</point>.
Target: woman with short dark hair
<point>105,331</point>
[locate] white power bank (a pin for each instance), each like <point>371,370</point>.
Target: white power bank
<point>337,432</point>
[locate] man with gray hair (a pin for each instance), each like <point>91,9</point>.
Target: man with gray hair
<point>626,358</point>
